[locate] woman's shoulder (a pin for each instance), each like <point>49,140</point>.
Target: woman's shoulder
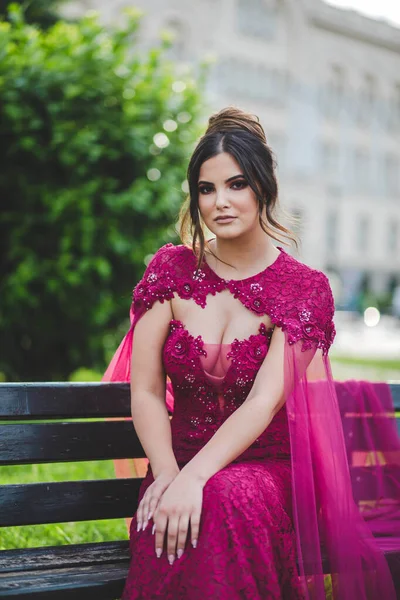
<point>306,303</point>
<point>168,256</point>
<point>302,277</point>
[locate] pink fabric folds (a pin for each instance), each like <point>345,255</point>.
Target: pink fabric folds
<point>345,454</point>
<point>329,525</point>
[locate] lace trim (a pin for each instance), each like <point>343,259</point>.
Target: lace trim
<point>296,297</point>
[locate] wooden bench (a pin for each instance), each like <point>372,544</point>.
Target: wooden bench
<point>80,571</point>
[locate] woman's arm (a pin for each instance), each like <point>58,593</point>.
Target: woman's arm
<point>248,421</point>
<point>148,386</point>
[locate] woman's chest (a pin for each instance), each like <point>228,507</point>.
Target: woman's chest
<point>203,371</point>
<point>221,319</point>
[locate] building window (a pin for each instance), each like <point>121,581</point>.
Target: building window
<point>254,80</point>
<point>361,171</point>
<point>397,104</point>
<point>366,100</point>
<point>391,112</point>
<point>393,237</point>
<point>257,18</point>
<point>333,92</point>
<point>277,143</point>
<point>329,159</point>
<point>362,233</point>
<point>331,231</point>
<point>391,176</point>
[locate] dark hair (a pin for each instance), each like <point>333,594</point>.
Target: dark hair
<point>241,135</point>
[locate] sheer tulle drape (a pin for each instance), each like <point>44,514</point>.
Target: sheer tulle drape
<point>333,467</point>
<point>328,522</point>
<point>119,370</point>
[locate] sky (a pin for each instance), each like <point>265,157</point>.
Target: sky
<point>387,9</point>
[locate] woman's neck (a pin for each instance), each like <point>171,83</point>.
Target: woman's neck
<point>248,256</point>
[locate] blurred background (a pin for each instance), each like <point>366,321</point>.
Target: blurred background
<point>101,104</point>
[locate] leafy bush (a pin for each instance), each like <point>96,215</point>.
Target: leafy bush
<point>96,140</point>
<point>41,12</point>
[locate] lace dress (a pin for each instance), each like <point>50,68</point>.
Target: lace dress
<point>247,545</point>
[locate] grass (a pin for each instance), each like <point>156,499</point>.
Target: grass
<point>60,533</point>
<point>350,367</point>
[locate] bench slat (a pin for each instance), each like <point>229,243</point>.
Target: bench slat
<point>395,391</point>
<point>79,400</point>
<point>36,503</point>
<point>97,582</point>
<point>78,583</point>
<point>57,557</point>
<point>64,400</point>
<point>68,442</point>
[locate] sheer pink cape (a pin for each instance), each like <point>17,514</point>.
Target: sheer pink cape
<point>345,473</point>
<point>345,451</point>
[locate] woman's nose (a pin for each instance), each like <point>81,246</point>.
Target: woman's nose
<point>221,199</point>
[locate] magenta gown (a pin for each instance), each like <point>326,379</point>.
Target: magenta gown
<point>248,546</point>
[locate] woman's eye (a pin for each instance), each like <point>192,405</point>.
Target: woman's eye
<point>241,184</point>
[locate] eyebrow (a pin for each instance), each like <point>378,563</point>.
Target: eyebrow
<point>226,181</point>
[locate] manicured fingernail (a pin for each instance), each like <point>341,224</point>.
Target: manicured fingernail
<point>139,526</point>
<point>158,552</point>
<point>149,516</point>
<point>144,525</point>
<point>180,552</point>
<point>194,543</point>
<point>171,559</point>
<point>154,528</point>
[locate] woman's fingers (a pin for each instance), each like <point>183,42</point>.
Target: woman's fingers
<point>172,537</point>
<point>183,528</point>
<point>153,504</point>
<point>139,516</point>
<point>195,527</point>
<point>162,521</point>
<point>148,505</point>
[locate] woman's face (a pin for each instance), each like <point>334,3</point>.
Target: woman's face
<point>224,191</point>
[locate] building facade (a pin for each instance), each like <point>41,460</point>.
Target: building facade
<point>325,83</point>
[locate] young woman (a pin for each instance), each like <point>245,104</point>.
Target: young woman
<point>249,480</point>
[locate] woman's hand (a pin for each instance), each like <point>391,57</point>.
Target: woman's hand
<point>180,504</point>
<point>151,497</point>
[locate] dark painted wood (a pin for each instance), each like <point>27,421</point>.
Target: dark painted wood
<point>395,390</point>
<point>66,442</point>
<point>34,503</point>
<point>63,572</point>
<point>63,400</point>
<point>79,400</point>
<point>28,559</point>
<point>77,583</point>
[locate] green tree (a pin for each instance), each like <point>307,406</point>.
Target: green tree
<point>95,143</point>
<point>40,12</point>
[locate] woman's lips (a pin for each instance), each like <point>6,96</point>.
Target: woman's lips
<point>225,220</point>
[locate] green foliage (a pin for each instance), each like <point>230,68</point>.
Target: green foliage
<point>87,190</point>
<point>83,375</point>
<point>40,12</point>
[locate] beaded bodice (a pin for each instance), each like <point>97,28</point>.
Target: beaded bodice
<point>209,381</point>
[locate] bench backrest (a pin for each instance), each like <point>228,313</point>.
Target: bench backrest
<point>25,441</point>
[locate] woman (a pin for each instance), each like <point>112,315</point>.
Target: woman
<point>249,479</point>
